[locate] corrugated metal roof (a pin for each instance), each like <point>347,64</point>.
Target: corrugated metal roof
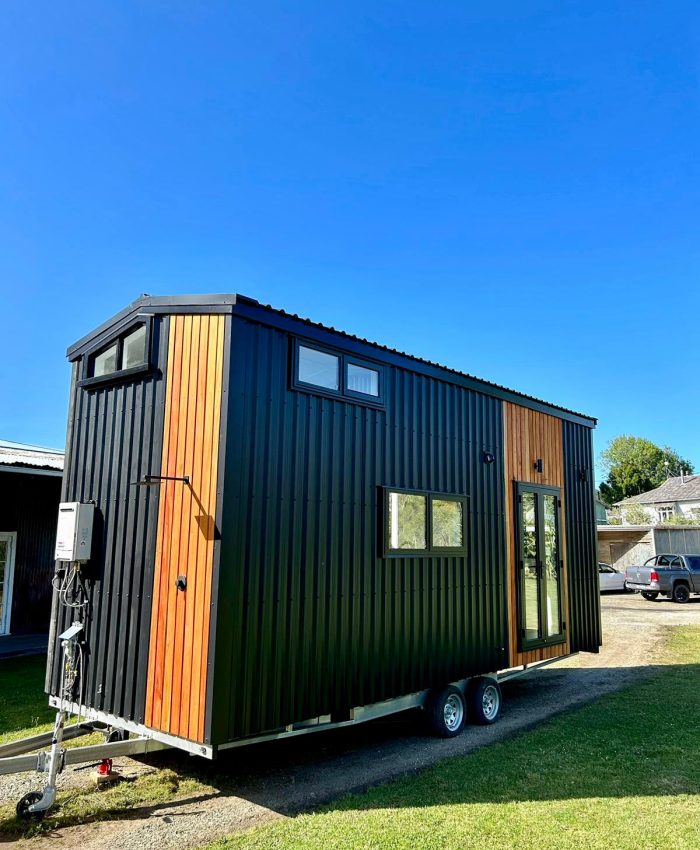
<point>685,489</point>
<point>26,455</point>
<point>162,304</point>
<point>433,363</point>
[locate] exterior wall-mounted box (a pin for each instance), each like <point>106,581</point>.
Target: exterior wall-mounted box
<point>74,531</point>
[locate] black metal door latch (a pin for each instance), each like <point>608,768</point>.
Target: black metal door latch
<point>181,583</point>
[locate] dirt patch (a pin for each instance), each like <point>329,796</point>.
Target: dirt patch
<point>256,784</point>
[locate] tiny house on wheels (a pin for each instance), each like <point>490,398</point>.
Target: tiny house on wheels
<point>286,528</point>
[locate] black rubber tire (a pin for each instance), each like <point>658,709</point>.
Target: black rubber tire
<point>649,595</point>
<point>112,736</point>
<point>482,693</point>
<point>437,712</point>
<point>681,593</point>
<point>22,808</point>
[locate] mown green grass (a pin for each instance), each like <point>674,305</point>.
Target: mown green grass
<point>89,804</point>
<point>24,711</point>
<point>622,773</point>
<point>24,707</point>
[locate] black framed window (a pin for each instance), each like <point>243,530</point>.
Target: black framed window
<point>327,371</point>
<point>447,523</point>
<point>134,348</point>
<point>318,368</point>
<point>361,379</point>
<point>125,355</point>
<point>421,523</point>
<point>105,362</point>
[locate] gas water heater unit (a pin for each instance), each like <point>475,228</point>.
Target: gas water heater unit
<point>74,531</point>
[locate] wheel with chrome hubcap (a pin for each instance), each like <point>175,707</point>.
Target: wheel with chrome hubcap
<point>484,696</point>
<point>446,711</point>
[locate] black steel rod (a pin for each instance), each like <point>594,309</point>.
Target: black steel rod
<point>156,479</point>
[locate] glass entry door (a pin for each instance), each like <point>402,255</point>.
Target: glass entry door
<point>7,559</point>
<point>540,566</point>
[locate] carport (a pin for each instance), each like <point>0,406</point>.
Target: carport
<point>624,545</point>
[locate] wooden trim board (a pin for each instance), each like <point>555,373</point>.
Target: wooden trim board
<point>529,436</point>
<point>179,638</point>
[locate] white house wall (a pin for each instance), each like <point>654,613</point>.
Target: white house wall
<point>684,508</point>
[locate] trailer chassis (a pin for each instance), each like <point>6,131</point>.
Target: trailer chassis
<point>18,756</point>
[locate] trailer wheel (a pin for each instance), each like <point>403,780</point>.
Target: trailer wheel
<point>484,696</point>
<point>650,595</point>
<point>681,593</point>
<point>28,800</point>
<point>447,712</point>
<point>112,735</point>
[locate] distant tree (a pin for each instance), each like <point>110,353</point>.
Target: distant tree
<point>637,515</point>
<point>634,465</point>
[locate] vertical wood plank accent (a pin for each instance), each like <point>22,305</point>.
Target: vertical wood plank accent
<point>529,435</point>
<point>179,638</point>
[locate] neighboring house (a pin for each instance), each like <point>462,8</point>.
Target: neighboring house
<point>30,491</point>
<point>625,545</point>
<point>675,497</point>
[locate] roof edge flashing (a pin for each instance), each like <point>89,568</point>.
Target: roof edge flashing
<point>266,314</point>
<point>252,308</point>
<point>154,305</point>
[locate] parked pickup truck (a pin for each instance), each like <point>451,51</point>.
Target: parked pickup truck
<point>675,576</point>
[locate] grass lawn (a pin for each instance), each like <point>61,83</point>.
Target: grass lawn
<point>24,707</point>
<point>24,711</point>
<point>623,772</point>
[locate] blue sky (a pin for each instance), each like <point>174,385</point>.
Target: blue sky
<point>509,188</point>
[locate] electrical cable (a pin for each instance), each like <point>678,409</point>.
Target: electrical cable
<point>72,594</point>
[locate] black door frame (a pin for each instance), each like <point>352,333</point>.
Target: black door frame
<point>540,491</point>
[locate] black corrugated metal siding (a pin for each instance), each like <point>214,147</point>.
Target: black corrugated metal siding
<point>115,437</point>
<point>29,506</point>
<point>581,539</point>
<point>316,621</point>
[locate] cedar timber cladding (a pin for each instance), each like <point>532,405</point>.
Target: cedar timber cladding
<point>529,436</point>
<point>179,634</point>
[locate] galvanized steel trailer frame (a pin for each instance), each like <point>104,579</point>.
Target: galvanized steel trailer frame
<point>19,756</point>
<point>15,756</point>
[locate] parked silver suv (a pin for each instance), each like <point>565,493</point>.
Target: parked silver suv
<point>675,576</point>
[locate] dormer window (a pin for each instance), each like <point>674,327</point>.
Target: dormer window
<point>134,348</point>
<point>105,362</point>
<point>126,355</point>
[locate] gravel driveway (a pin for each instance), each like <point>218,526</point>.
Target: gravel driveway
<point>256,784</point>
